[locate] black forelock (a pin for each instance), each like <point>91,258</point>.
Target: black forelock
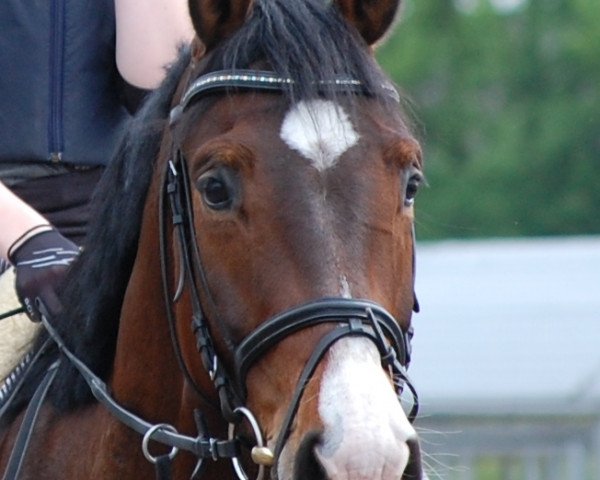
<point>308,41</point>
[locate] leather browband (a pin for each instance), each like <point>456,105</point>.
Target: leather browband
<point>236,80</point>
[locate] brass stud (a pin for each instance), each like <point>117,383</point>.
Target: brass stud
<point>263,456</point>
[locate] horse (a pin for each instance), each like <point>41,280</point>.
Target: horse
<point>243,305</point>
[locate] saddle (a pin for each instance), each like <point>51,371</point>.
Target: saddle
<point>17,332</point>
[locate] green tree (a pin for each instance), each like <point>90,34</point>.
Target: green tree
<point>508,107</point>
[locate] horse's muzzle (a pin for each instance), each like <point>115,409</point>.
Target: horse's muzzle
<point>308,466</point>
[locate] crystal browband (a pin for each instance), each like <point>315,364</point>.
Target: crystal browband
<point>258,80</point>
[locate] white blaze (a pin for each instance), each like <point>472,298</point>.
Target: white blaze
<point>345,287</point>
<point>320,131</point>
<point>365,428</point>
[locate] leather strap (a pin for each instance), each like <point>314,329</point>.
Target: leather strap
<point>163,467</point>
<point>256,80</point>
<point>332,310</point>
<point>172,190</point>
<point>26,367</point>
<point>181,209</point>
<point>21,444</point>
<point>354,329</point>
<point>12,313</point>
<point>201,447</point>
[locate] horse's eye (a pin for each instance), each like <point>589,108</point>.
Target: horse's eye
<point>217,188</point>
<point>412,187</point>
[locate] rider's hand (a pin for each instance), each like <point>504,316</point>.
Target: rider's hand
<point>41,263</point>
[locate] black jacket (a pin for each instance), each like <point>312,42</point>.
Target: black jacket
<point>60,92</point>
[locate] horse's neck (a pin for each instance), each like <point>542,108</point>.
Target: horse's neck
<point>146,374</point>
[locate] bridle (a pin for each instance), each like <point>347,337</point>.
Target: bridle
<point>349,318</point>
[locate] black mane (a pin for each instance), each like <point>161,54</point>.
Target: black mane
<point>307,41</point>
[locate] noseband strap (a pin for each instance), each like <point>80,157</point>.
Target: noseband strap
<point>351,318</point>
<point>338,311</point>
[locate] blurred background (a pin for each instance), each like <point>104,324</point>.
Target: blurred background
<point>505,96</point>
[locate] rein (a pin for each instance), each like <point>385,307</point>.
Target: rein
<point>12,313</point>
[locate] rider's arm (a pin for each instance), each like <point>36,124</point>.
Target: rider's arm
<point>148,35</point>
<point>39,253</point>
<point>18,218</point>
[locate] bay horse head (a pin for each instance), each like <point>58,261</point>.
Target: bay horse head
<point>297,176</point>
<point>273,213</point>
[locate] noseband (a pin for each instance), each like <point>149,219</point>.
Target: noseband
<point>349,317</point>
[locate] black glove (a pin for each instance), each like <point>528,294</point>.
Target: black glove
<point>41,263</point>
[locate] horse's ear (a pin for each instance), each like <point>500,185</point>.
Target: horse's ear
<point>372,18</point>
<point>215,20</point>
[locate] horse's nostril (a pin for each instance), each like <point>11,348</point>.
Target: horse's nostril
<point>307,465</point>
<point>414,469</point>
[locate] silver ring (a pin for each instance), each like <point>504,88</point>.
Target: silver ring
<point>148,436</point>
<point>237,466</point>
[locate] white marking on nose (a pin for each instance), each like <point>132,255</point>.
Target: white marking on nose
<point>359,409</point>
<point>345,287</point>
<point>320,131</point>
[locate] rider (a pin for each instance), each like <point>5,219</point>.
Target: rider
<point>73,73</point>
